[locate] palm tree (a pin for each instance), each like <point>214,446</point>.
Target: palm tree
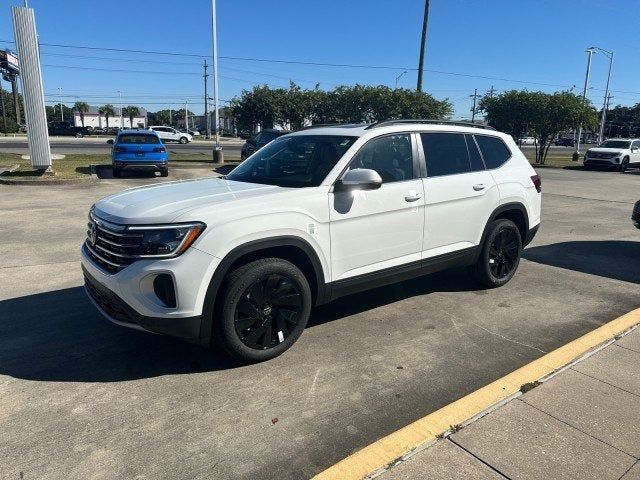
<point>108,111</point>
<point>81,108</point>
<point>131,111</point>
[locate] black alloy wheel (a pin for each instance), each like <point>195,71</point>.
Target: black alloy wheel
<point>624,166</point>
<point>268,311</point>
<point>504,253</point>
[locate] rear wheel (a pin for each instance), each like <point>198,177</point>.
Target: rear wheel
<point>265,307</point>
<point>500,254</point>
<point>164,172</point>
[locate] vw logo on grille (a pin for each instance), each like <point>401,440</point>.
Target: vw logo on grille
<point>93,234</point>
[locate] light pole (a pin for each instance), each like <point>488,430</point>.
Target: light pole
<point>590,51</point>
<point>120,107</point>
<point>398,78</point>
<point>60,99</point>
<point>423,41</point>
<point>603,118</point>
<point>218,156</point>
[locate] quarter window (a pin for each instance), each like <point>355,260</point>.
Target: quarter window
<point>391,156</point>
<point>445,154</point>
<point>494,151</point>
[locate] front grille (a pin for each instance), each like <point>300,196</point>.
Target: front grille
<point>601,155</point>
<point>110,245</point>
<point>598,162</point>
<point>110,307</point>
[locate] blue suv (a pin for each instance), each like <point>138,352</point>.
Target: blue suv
<point>139,150</point>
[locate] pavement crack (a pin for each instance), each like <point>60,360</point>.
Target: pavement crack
<point>588,198</point>
<point>511,340</point>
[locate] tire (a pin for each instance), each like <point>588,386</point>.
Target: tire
<point>79,135</point>
<point>117,173</point>
<point>244,326</point>
<point>500,254</point>
<point>183,140</point>
<point>164,172</point>
<point>243,157</point>
<point>624,166</point>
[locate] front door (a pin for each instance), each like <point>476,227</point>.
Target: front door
<point>377,229</point>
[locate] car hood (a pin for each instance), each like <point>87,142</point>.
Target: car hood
<point>165,202</point>
<point>605,150</point>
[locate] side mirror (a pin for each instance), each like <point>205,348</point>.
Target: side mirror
<point>110,141</point>
<point>359,179</point>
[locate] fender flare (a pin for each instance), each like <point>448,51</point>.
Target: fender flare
<point>500,209</point>
<point>321,293</point>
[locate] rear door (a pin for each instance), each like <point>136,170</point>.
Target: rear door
<point>378,229</point>
<point>460,194</point>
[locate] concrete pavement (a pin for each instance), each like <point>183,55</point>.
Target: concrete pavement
<point>82,398</point>
<point>582,423</point>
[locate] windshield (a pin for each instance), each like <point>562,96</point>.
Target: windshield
<point>296,161</point>
<point>615,144</point>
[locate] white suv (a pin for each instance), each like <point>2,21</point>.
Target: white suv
<point>621,153</point>
<point>312,216</point>
<point>169,134</point>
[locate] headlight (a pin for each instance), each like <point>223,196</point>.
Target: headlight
<point>165,241</point>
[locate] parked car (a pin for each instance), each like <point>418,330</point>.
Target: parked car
<point>259,140</point>
<point>66,129</point>
<point>314,215</point>
<point>635,216</point>
<point>565,142</point>
<point>191,131</point>
<point>170,134</point>
<point>98,131</point>
<point>136,150</point>
<point>527,141</point>
<point>621,153</point>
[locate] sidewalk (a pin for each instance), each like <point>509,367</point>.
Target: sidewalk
<point>583,423</point>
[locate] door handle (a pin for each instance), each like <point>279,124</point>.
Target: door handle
<point>478,187</point>
<point>413,197</point>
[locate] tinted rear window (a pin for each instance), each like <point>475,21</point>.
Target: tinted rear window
<point>445,154</point>
<point>494,151</point>
<point>138,138</point>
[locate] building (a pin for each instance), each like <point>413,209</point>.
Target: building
<point>94,119</point>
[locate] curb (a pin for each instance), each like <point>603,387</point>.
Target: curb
<point>418,435</point>
<point>71,181</point>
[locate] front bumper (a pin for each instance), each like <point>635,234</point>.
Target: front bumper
<point>127,297</point>
<point>635,216</point>
<point>602,162</point>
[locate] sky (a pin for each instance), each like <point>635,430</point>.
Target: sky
<point>471,44</point>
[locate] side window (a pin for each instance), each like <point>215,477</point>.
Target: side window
<point>635,144</point>
<point>391,156</point>
<point>477,164</point>
<point>445,154</point>
<point>494,151</point>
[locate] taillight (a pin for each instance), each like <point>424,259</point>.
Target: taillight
<point>159,150</point>
<point>119,149</point>
<point>537,182</point>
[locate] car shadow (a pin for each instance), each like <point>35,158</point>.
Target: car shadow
<point>105,172</point>
<point>60,336</point>
<point>616,259</point>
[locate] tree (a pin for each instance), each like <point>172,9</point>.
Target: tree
<point>623,121</point>
<point>161,117</point>
<point>543,115</point>
<point>81,108</point>
<point>108,111</point>
<point>131,111</point>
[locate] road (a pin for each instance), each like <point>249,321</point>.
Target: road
<point>89,146</point>
<point>83,398</point>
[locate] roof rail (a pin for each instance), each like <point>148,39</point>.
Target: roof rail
<point>386,123</point>
<point>323,125</point>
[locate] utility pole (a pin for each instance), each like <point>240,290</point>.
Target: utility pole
<point>218,156</point>
<point>590,51</point>
<point>206,101</point>
<point>423,40</point>
<point>491,92</point>
<point>398,78</point>
<point>186,116</point>
<point>170,119</point>
<point>473,110</point>
<point>60,98</point>
<point>4,112</point>
<point>120,105</point>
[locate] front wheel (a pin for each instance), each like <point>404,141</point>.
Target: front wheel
<point>624,166</point>
<point>265,307</point>
<point>184,140</point>
<point>79,135</point>
<point>164,172</point>
<point>500,254</point>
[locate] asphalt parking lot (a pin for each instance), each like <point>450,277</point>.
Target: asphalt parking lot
<point>82,398</point>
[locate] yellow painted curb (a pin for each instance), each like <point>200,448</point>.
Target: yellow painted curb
<point>399,443</point>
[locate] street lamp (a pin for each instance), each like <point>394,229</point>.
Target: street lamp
<point>590,52</point>
<point>398,78</point>
<point>603,118</point>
